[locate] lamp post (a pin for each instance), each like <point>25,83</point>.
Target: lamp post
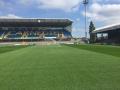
<point>85,2</point>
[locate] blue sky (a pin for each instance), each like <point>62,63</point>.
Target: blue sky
<point>101,12</point>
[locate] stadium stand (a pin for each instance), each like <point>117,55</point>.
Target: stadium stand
<point>35,29</point>
<point>109,34</point>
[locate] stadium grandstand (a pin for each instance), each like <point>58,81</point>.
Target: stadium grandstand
<point>108,34</point>
<point>17,30</point>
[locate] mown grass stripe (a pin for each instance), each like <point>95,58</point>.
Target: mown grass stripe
<point>5,49</point>
<point>109,50</point>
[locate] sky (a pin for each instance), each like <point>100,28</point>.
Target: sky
<point>101,12</point>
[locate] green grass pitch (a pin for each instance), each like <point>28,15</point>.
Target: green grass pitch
<point>80,67</point>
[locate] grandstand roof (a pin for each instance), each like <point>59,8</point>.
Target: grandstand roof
<point>35,22</point>
<point>107,28</point>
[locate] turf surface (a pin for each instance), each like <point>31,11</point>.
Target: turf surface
<point>59,68</point>
<point>4,49</point>
<point>106,49</point>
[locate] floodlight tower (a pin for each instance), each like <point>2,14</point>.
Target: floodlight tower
<point>85,2</point>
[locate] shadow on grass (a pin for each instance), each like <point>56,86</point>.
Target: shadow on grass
<point>5,49</point>
<point>109,50</point>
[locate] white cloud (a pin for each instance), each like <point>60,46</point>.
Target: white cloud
<point>106,1</point>
<point>66,5</point>
<point>106,13</point>
<point>26,2</point>
<point>77,32</point>
<point>10,16</point>
<point>78,20</point>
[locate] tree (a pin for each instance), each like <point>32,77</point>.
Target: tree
<point>92,35</point>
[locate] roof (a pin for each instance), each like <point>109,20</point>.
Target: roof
<point>107,28</point>
<point>35,22</point>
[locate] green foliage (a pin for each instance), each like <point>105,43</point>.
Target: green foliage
<point>59,68</point>
<point>92,35</point>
